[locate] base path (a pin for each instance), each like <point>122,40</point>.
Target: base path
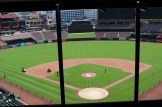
<point>118,81</point>
<point>66,85</point>
<point>40,71</point>
<point>126,65</point>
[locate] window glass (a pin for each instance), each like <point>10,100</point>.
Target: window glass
<point>150,54</point>
<point>98,56</point>
<point>28,56</point>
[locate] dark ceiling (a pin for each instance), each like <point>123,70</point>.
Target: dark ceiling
<point>27,5</point>
<point>41,5</point>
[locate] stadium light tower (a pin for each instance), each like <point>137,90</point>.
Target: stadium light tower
<point>142,6</point>
<point>103,9</point>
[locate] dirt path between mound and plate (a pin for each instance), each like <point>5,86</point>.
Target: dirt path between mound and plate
<point>40,71</point>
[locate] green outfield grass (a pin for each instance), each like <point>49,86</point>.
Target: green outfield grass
<point>12,60</point>
<point>73,75</point>
<point>81,35</point>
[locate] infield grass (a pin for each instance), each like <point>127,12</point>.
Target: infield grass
<point>73,75</point>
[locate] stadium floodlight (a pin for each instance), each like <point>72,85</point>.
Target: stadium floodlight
<point>103,9</point>
<point>143,8</point>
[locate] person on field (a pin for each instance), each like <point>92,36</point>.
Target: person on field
<point>105,70</point>
<point>57,73</point>
<point>4,76</point>
<point>23,69</point>
<point>49,70</point>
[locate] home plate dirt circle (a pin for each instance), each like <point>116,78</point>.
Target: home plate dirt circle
<point>93,93</point>
<point>89,74</point>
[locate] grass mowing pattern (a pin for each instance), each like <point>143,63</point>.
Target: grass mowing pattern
<point>151,53</point>
<point>73,75</point>
<point>99,49</point>
<point>11,61</point>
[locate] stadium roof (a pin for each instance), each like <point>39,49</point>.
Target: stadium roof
<point>21,19</point>
<point>2,43</point>
<point>8,31</point>
<point>75,20</point>
<point>16,36</point>
<point>7,16</point>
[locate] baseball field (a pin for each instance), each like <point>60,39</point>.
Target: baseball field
<point>87,57</point>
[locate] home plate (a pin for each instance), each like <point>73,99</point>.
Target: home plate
<point>93,93</point>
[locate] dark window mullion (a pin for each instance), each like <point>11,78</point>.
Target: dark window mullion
<point>137,54</point>
<point>60,55</point>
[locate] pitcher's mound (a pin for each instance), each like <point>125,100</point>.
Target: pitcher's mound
<point>93,93</point>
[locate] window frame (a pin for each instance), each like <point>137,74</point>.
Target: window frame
<point>11,5</point>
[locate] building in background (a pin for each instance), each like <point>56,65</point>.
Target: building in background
<point>68,15</point>
<point>91,14</point>
<point>38,20</point>
<point>8,23</point>
<point>50,19</point>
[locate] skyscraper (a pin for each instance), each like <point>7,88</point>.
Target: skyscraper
<point>68,15</point>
